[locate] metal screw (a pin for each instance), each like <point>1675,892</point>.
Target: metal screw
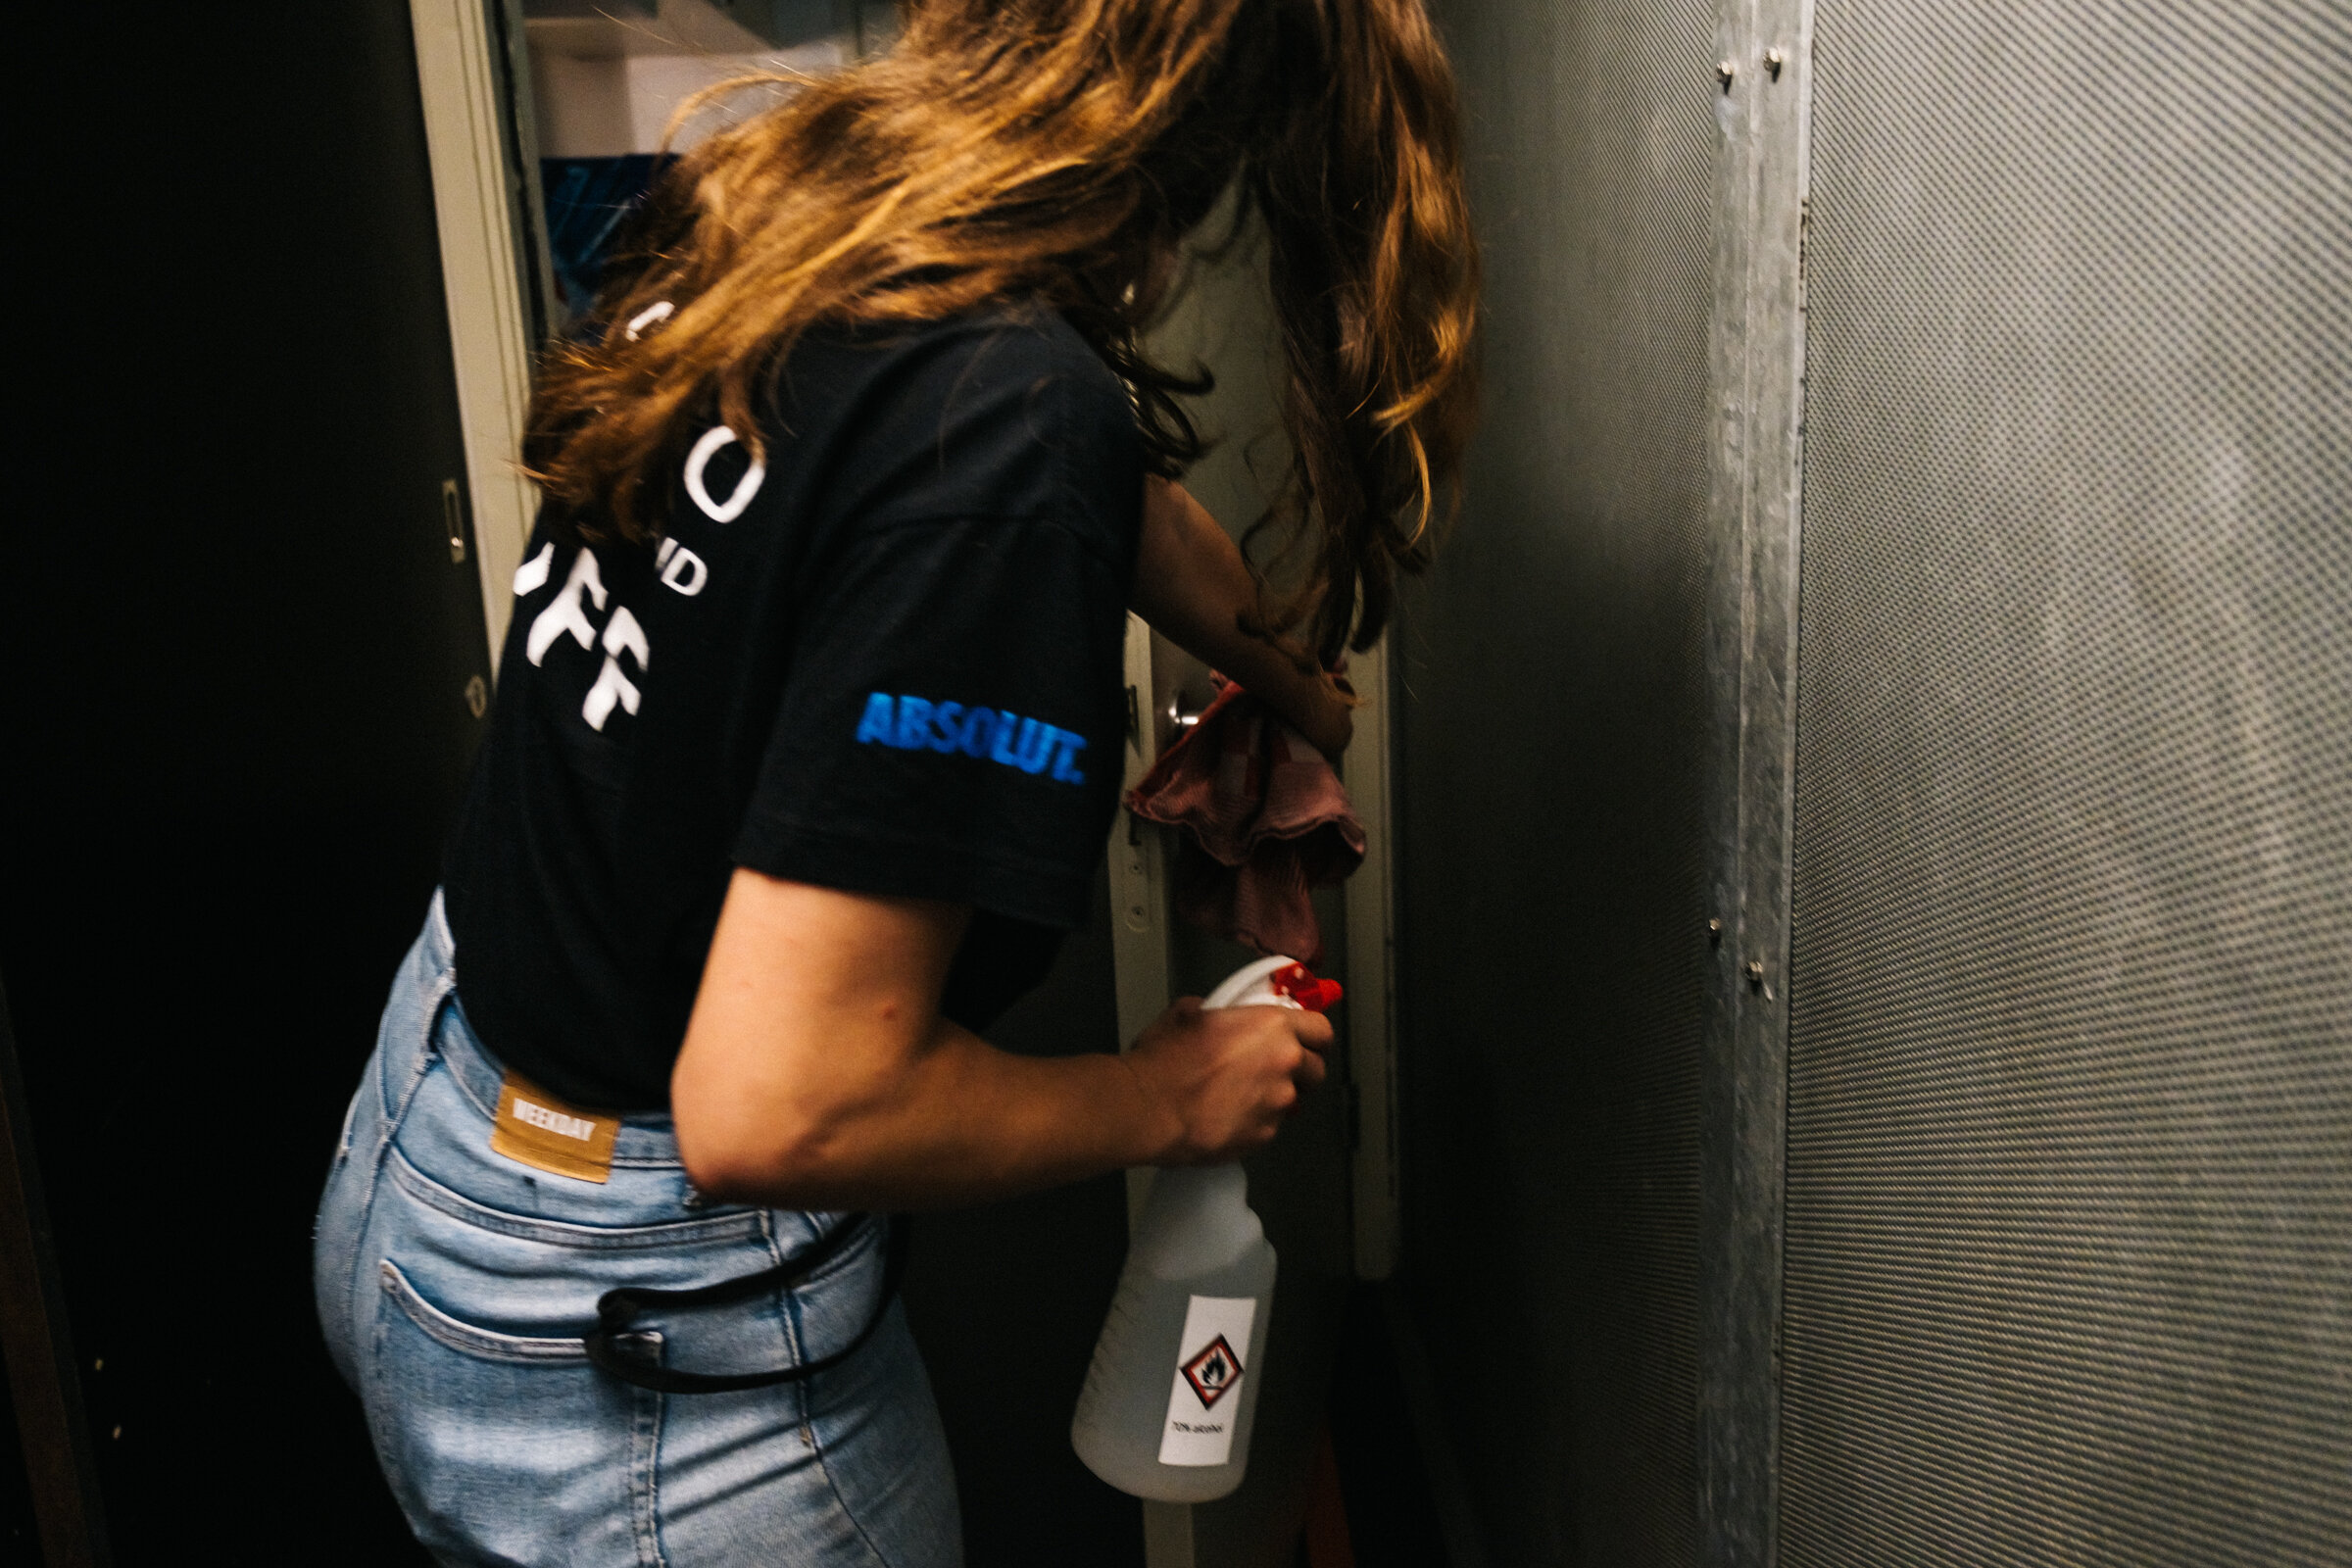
<point>1774,59</point>
<point>1755,974</point>
<point>1725,70</point>
<point>1715,933</point>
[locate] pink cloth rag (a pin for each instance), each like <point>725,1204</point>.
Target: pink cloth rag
<point>1265,819</point>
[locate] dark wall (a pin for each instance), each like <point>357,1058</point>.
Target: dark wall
<point>238,651</point>
<point>1552,944</point>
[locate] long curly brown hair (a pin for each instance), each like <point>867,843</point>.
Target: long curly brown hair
<point>1056,152</point>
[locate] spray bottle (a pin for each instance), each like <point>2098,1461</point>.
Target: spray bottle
<point>1169,1401</point>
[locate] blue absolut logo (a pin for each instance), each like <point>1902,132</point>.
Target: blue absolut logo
<point>919,724</point>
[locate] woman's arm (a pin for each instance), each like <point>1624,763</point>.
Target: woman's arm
<point>817,1072</point>
<point>1192,584</point>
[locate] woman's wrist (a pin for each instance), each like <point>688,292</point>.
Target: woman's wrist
<point>1310,700</point>
<point>1154,1132</point>
<point>1192,585</point>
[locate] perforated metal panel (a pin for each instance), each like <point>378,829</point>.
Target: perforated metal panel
<point>1553,708</point>
<point>2069,1215</point>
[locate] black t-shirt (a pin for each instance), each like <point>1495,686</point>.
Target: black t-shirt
<point>887,661</point>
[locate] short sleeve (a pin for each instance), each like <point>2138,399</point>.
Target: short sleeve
<point>951,722</point>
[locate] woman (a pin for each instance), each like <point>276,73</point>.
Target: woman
<point>808,738</point>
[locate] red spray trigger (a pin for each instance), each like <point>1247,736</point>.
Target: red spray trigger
<point>1304,989</point>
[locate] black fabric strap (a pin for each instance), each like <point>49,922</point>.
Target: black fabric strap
<point>613,1348</point>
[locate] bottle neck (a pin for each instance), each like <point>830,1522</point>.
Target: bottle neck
<point>1196,1220</point>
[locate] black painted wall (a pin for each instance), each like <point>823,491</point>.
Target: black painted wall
<point>237,651</point>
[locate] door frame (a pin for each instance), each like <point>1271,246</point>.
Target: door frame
<point>473,77</point>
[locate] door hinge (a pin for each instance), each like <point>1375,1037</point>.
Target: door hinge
<point>453,520</point>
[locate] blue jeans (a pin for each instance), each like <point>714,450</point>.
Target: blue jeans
<point>454,1285</point>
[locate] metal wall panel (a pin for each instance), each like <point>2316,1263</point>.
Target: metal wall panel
<point>2070,1145</point>
<point>1552,713</point>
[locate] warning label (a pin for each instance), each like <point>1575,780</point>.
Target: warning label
<point>1208,1368</point>
<point>1213,1372</point>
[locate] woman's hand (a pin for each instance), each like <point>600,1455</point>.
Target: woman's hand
<point>1227,1079</point>
<point>1192,583</point>
<point>1319,704</point>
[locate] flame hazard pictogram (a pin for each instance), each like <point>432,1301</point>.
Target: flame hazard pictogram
<point>1213,1372</point>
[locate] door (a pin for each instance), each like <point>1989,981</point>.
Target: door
<point>247,660</point>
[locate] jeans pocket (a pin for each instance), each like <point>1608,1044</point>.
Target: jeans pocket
<point>507,1448</point>
<point>455,1333</point>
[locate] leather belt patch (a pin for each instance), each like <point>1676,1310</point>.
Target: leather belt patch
<point>536,1128</point>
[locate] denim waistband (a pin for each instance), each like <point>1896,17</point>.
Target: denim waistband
<point>645,1138</point>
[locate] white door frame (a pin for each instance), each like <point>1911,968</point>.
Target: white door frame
<point>482,278</point>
